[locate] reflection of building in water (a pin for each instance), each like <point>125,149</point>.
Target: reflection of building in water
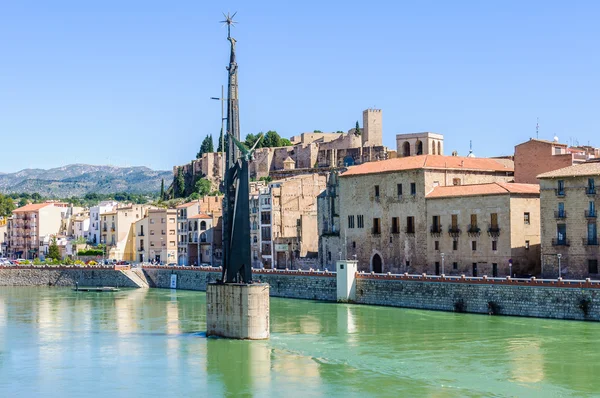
<point>249,374</point>
<point>126,309</point>
<point>527,360</point>
<point>173,318</point>
<point>346,323</point>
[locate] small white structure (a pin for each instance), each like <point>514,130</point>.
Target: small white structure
<point>346,280</point>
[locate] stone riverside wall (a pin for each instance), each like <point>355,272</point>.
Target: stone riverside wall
<point>290,284</point>
<point>63,276</point>
<point>578,303</point>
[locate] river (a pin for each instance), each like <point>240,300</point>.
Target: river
<point>55,342</point>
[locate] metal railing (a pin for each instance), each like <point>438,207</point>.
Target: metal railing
<point>560,214</point>
<point>560,242</point>
<point>591,214</point>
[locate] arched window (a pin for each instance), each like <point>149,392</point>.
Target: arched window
<point>419,146</point>
<point>406,149</point>
<point>202,237</point>
<point>439,148</point>
<point>203,226</point>
<point>255,239</point>
<point>433,148</point>
<point>377,265</point>
<point>254,226</point>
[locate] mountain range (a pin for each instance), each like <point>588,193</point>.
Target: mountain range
<point>80,179</point>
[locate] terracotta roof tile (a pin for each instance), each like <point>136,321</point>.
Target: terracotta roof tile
<point>581,169</point>
<point>429,162</point>
<point>32,207</point>
<point>200,215</point>
<point>495,188</point>
<point>185,205</point>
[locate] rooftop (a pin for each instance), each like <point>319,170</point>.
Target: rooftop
<point>200,215</point>
<point>435,162</point>
<point>186,205</point>
<point>495,188</point>
<point>542,141</point>
<point>32,207</point>
<point>581,169</point>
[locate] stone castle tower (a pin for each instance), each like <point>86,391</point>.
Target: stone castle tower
<point>372,132</point>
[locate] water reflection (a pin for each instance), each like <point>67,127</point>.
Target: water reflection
<point>527,360</point>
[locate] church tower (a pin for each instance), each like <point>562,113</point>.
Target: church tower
<point>372,134</point>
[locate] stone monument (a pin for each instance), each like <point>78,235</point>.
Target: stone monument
<point>235,307</point>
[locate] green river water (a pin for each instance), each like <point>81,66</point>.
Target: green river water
<point>151,343</point>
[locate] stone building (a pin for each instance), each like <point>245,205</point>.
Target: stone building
<point>535,157</point>
<point>484,229</point>
<point>309,153</point>
<point>373,195</point>
<point>328,222</point>
<point>419,144</point>
<point>156,236</point>
<point>288,222</point>
<point>201,239</point>
<point>569,221</point>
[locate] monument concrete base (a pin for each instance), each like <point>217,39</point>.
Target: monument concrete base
<point>238,311</point>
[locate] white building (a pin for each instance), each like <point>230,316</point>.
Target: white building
<point>94,220</point>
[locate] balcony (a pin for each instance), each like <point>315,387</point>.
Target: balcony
<point>559,192</point>
<point>560,214</point>
<point>104,229</point>
<point>436,230</point>
<point>590,242</point>
<point>473,230</point>
<point>141,249</point>
<point>591,191</point>
<point>560,242</point>
<point>454,231</point>
<point>141,234</point>
<point>591,214</point>
<point>494,231</point>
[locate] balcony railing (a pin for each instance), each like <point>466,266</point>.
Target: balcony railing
<point>591,214</point>
<point>140,249</point>
<point>436,229</point>
<point>559,192</point>
<point>473,230</point>
<point>454,231</point>
<point>590,191</point>
<point>590,242</point>
<point>560,214</point>
<point>493,231</point>
<point>560,242</point>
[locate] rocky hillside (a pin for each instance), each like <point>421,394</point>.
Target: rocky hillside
<point>79,179</point>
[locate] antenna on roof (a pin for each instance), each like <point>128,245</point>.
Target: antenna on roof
<point>537,129</point>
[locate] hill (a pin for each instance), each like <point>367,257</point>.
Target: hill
<point>80,179</point>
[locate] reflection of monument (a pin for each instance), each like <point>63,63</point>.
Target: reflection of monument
<point>235,307</point>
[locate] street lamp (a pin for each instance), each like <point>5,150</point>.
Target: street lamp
<point>442,263</point>
<point>559,256</point>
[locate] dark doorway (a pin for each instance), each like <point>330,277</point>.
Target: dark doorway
<point>474,269</point>
<point>495,270</point>
<point>437,267</point>
<point>406,149</point>
<point>419,147</point>
<point>377,268</point>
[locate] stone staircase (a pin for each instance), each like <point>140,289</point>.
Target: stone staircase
<point>137,276</point>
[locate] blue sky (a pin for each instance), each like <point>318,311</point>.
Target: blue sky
<point>129,82</point>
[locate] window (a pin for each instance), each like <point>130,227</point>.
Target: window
<point>560,190</point>
<point>376,226</point>
<point>361,222</point>
<point>255,239</point>
<point>437,245</point>
<point>494,221</point>
<point>473,245</point>
<point>354,244</point>
<point>377,191</point>
<point>435,224</point>
<point>410,225</point>
<point>473,226</point>
<point>561,210</point>
<point>437,267</point>
<point>593,266</point>
<point>526,218</point>
<point>162,220</point>
<point>395,225</point>
<point>203,226</point>
<point>171,220</point>
<point>456,181</point>
<point>526,245</point>
<point>151,220</point>
<point>454,222</point>
<point>474,269</point>
<point>591,188</point>
<point>265,217</point>
<point>561,234</point>
<point>399,190</point>
<point>494,245</point>
<point>455,265</point>
<point>592,234</point>
<point>350,221</point>
<point>454,245</point>
<point>328,256</point>
<point>413,188</point>
<point>171,243</point>
<point>407,264</point>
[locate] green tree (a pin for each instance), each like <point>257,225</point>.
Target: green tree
<point>53,251</point>
<point>220,147</point>
<point>23,202</point>
<point>271,139</point>
<point>251,140</point>
<point>162,190</point>
<point>36,197</point>
<point>7,205</point>
<point>357,129</point>
<point>202,187</point>
<point>206,147</point>
<point>180,183</point>
<point>285,142</point>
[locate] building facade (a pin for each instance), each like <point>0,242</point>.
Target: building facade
<point>568,199</point>
<point>95,212</point>
<point>118,231</point>
<point>156,236</point>
<point>382,208</point>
